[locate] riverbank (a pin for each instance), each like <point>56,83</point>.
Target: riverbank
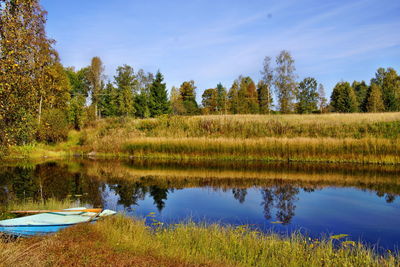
<point>328,138</point>
<point>122,241</point>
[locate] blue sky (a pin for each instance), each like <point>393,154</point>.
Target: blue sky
<point>216,41</point>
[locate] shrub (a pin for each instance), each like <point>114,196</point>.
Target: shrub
<point>54,126</point>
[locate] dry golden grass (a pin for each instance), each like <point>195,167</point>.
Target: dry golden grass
<point>120,241</point>
<point>360,137</point>
<point>366,150</point>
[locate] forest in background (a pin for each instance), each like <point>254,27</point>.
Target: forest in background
<point>41,100</point>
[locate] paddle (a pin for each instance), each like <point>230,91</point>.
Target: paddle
<point>47,211</point>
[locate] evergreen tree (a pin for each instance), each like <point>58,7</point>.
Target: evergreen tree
<point>285,81</point>
<point>360,88</point>
<point>142,104</point>
<point>374,101</point>
<point>125,81</point>
<point>210,100</point>
<point>158,101</point>
<point>221,99</point>
<point>188,94</point>
<point>307,96</point>
<point>343,98</point>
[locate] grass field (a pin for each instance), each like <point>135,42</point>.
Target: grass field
<point>372,138</point>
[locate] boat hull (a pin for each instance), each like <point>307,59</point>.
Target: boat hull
<point>27,231</point>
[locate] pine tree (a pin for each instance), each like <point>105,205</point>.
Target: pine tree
<point>343,98</point>
<point>307,96</point>
<point>374,101</point>
<point>158,100</point>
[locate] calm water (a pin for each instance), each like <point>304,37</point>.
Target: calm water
<point>362,202</point>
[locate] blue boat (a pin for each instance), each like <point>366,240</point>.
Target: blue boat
<point>49,222</point>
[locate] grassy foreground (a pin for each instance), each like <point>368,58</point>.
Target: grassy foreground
<point>356,138</point>
<point>120,241</point>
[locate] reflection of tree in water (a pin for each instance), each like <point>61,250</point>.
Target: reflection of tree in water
<point>129,193</point>
<point>390,198</point>
<point>281,197</point>
<point>159,195</point>
<point>268,202</point>
<point>49,180</point>
<point>23,184</point>
<point>239,194</point>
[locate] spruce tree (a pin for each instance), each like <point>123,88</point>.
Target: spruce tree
<point>142,104</point>
<point>158,99</point>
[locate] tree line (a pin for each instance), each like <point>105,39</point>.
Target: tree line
<point>40,99</point>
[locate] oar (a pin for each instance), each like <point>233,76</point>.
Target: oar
<point>48,211</point>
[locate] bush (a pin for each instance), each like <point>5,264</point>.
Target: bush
<point>54,126</point>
